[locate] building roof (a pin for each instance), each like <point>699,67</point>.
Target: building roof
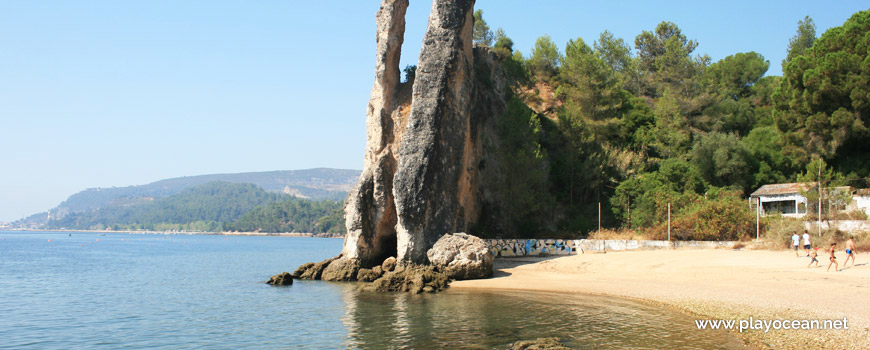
<point>780,189</point>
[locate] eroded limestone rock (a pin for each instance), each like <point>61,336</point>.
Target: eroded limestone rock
<point>281,279</point>
<point>413,279</point>
<point>341,269</point>
<point>539,344</point>
<point>369,275</point>
<point>312,271</point>
<point>389,264</point>
<point>370,215</point>
<point>462,256</point>
<point>426,150</point>
<point>432,187</point>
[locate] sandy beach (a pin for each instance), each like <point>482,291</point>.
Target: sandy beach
<point>713,284</point>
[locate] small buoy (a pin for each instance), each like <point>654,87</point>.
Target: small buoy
<point>98,239</point>
<point>83,245</point>
<point>49,241</point>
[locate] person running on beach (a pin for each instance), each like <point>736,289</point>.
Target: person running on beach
<point>795,242</point>
<point>807,242</point>
<point>833,258</point>
<point>850,251</point>
<point>815,256</point>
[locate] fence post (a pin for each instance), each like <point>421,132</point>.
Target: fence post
<point>757,218</point>
<point>669,223</point>
<point>599,217</point>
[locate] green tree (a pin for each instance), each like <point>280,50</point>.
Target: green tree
<point>733,76</point>
<point>590,89</point>
<point>617,54</point>
<point>729,84</point>
<point>504,46</point>
<point>642,201</point>
<point>765,144</point>
<point>723,161</point>
<point>802,40</point>
<point>666,63</point>
<point>670,136</point>
<point>481,35</point>
<point>545,59</point>
<point>823,101</point>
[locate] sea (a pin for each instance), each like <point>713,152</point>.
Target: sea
<point>84,290</point>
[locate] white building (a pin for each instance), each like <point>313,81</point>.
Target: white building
<point>785,199</point>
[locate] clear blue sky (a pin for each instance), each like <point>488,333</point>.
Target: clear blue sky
<point>117,93</point>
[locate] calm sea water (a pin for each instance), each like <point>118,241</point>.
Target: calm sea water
<point>88,291</point>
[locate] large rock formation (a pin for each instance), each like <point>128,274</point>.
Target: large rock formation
<point>435,184</point>
<point>425,143</point>
<point>462,257</point>
<point>370,212</point>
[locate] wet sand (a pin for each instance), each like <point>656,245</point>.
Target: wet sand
<point>713,284</point>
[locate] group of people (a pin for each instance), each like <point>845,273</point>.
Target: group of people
<point>850,251</point>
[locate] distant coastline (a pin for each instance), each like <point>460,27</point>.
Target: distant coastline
<point>261,234</point>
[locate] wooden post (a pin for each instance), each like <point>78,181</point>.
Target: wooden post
<point>599,217</point>
<point>757,217</point>
<point>820,197</point>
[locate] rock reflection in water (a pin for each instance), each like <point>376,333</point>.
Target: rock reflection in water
<point>489,320</point>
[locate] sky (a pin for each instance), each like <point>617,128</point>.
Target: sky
<point>118,93</point>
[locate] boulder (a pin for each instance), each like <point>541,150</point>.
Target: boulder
<point>312,271</point>
<point>413,278</point>
<point>539,344</point>
<point>281,279</point>
<point>462,256</point>
<point>302,269</point>
<point>341,270</point>
<point>369,275</point>
<point>389,264</point>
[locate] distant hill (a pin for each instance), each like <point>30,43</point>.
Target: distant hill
<point>315,184</point>
<point>213,207</point>
<point>320,183</point>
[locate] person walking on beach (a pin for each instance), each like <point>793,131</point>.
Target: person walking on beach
<point>807,242</point>
<point>850,251</point>
<point>795,242</point>
<point>814,256</point>
<point>833,258</point>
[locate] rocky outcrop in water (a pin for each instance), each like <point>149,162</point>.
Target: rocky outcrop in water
<point>281,279</point>
<point>462,256</point>
<point>412,278</point>
<point>425,151</point>
<point>539,344</point>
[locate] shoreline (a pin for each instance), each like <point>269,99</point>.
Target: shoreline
<point>710,284</point>
<point>257,234</point>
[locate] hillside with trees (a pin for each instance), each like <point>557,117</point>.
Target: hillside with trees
<point>212,207</point>
<point>634,126</point>
<point>315,184</point>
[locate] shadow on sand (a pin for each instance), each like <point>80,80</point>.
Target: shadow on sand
<point>500,264</point>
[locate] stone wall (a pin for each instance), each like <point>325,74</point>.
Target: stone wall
<point>535,247</point>
<point>848,226</point>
